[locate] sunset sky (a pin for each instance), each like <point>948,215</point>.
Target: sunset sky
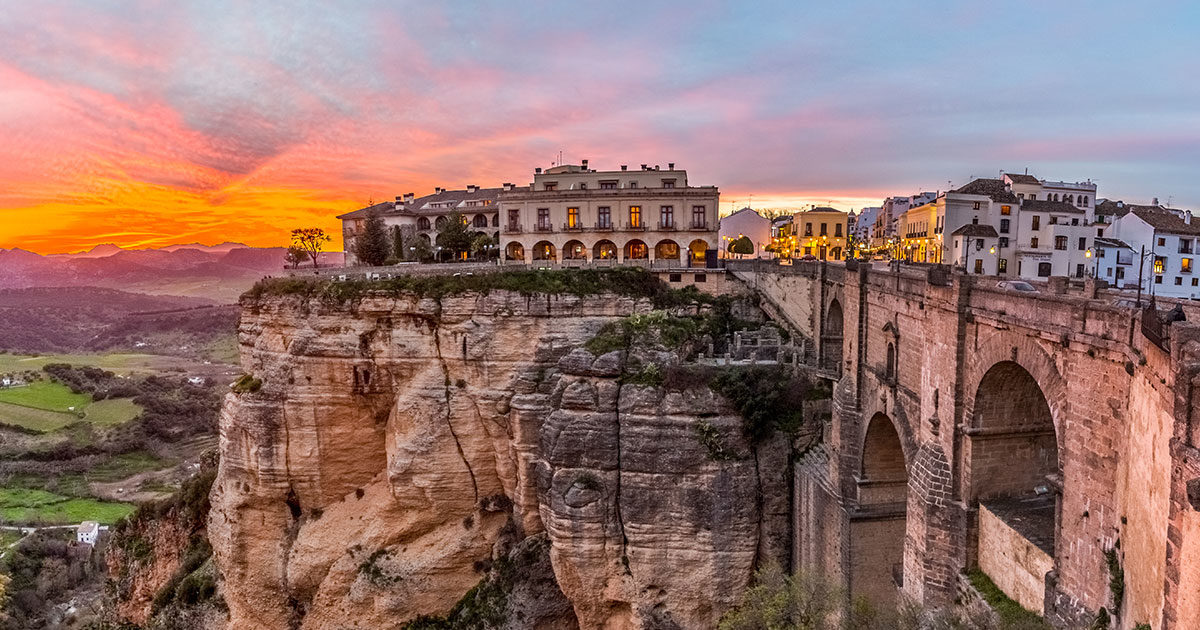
<point>150,123</point>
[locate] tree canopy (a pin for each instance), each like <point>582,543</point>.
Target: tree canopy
<point>742,245</point>
<point>311,240</point>
<point>453,236</point>
<point>371,246</point>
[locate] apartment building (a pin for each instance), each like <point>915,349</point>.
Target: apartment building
<point>422,217</point>
<point>1170,240</point>
<point>1014,225</point>
<point>820,232</point>
<point>574,213</point>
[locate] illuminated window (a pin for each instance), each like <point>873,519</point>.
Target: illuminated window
<point>635,216</point>
<point>1005,209</point>
<point>1159,264</point>
<point>975,206</point>
<point>572,217</point>
<point>1185,265</point>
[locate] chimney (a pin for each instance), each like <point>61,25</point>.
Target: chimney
<point>438,190</point>
<point>1187,217</point>
<point>670,166</point>
<point>472,188</point>
<point>507,186</point>
<point>537,171</point>
<point>1154,202</point>
<point>408,197</point>
<point>399,202</point>
<point>584,163</point>
<point>656,167</point>
<point>644,166</point>
<point>624,167</point>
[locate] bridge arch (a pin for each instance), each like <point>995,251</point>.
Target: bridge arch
<point>1012,475</point>
<point>833,328</point>
<point>879,522</point>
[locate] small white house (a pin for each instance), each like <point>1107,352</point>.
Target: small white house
<point>86,532</point>
<point>750,224</point>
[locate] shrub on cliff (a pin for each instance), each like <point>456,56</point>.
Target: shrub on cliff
<point>631,282</point>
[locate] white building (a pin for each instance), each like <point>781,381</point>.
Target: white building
<point>1041,228</point>
<point>1170,239</point>
<point>748,223</point>
<point>421,217</point>
<point>573,213</point>
<point>1115,261</point>
<point>87,532</point>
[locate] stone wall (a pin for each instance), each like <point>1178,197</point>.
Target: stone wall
<point>1014,563</point>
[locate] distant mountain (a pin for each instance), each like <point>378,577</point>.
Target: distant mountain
<point>219,248</point>
<point>217,272</point>
<point>72,319</point>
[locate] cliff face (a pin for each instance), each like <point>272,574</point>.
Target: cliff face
<point>400,446</point>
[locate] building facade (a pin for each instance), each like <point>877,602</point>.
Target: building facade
<point>420,218</point>
<point>1041,228</point>
<point>820,232</point>
<point>1169,239</point>
<point>749,224</point>
<point>573,213</point>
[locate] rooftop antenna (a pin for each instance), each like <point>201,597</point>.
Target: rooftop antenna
<point>1169,199</point>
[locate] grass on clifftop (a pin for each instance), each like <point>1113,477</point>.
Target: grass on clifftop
<point>631,282</point>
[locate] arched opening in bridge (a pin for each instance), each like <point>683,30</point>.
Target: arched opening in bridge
<point>831,338</point>
<point>1015,483</point>
<point>877,526</point>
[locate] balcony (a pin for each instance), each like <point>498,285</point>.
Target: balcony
<point>666,226</point>
<point>543,227</point>
<point>568,227</point>
<point>604,226</point>
<point>513,228</point>
<point>699,227</point>
<point>635,227</point>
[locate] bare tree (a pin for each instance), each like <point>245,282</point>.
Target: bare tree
<point>311,240</point>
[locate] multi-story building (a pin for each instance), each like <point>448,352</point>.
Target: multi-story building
<point>1170,241</point>
<point>821,232</point>
<point>422,217</point>
<point>1024,227</point>
<point>886,227</point>
<point>573,213</point>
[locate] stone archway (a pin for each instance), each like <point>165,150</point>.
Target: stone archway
<point>831,337</point>
<point>574,250</point>
<point>667,249</point>
<point>514,251</point>
<point>878,525</point>
<point>1013,482</point>
<point>636,249</point>
<point>544,250</point>
<point>604,250</point>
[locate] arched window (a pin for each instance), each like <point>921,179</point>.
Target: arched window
<point>423,223</point>
<point>890,369</point>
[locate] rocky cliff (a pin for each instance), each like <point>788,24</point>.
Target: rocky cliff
<point>386,451</point>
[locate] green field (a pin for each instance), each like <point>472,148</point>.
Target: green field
<point>8,538</point>
<point>46,395</point>
<point>119,363</point>
<point>46,406</point>
<point>21,505</point>
<point>36,419</point>
<point>114,411</point>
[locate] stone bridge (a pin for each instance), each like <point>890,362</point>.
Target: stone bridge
<point>1043,438</point>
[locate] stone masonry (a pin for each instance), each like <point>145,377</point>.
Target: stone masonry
<point>950,391</point>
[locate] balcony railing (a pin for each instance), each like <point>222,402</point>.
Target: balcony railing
<point>568,227</point>
<point>699,226</point>
<point>513,228</point>
<point>638,227</point>
<point>606,226</point>
<point>666,225</point>
<point>543,227</point>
